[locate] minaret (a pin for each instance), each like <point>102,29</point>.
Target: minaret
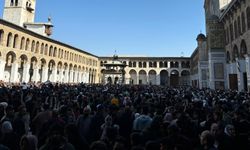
<point>19,11</point>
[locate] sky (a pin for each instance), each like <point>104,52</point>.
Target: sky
<point>152,28</point>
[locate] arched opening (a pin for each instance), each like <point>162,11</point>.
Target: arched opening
<point>22,43</point>
<point>51,51</point>
<point>174,78</point>
<point>133,77</point>
<point>23,61</point>
<point>142,77</point>
<point>1,37</point>
<point>109,80</point>
<point>37,47</point>
<point>9,40</point>
<point>46,49</point>
<point>152,77</point>
<point>27,44</point>
<point>185,78</point>
<point>243,49</point>
<point>130,64</point>
<point>164,77</point>
<point>16,2</point>
<point>9,72</point>
<point>42,49</point>
<point>235,53</point>
<point>33,46</point>
<point>51,66</point>
<point>33,63</point>
<point>55,52</point>
<point>15,42</point>
<point>228,57</point>
<point>11,2</point>
<point>248,17</point>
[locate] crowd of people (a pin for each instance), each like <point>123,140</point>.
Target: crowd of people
<point>52,116</point>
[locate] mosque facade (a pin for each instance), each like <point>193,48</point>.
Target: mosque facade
<point>220,61</point>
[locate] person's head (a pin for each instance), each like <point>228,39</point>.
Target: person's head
<point>206,139</point>
<point>98,145</point>
<point>28,142</point>
<point>6,127</point>
<point>214,129</point>
<point>229,130</point>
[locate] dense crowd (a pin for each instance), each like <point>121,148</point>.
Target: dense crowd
<point>122,117</point>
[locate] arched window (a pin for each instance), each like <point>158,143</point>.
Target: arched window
<point>239,27</point>
<point>62,53</point>
<point>231,31</point>
<point>235,53</point>
<point>33,46</point>
<point>9,40</point>
<point>243,22</point>
<point>22,43</point>
<point>243,49</point>
<point>46,50</point>
<point>11,2</point>
<point>165,64</point>
<point>130,64</point>
<point>248,17</point>
<point>27,44</point>
<point>15,41</point>
<point>134,64</point>
<point>155,64</point>
<point>50,51</point>
<point>228,57</point>
<point>42,49</point>
<point>16,2</point>
<point>144,65</point>
<point>37,47</point>
<point>150,64</point>
<point>161,64</point>
<point>235,29</point>
<point>55,52</point>
<point>1,37</point>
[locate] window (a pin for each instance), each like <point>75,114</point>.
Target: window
<point>15,41</point>
<point>27,44</point>
<point>42,49</point>
<point>11,2</point>
<point>134,64</point>
<point>243,49</point>
<point>9,39</point>
<point>248,18</point>
<point>1,37</point>
<point>235,29</point>
<point>144,65</point>
<point>239,26</point>
<point>22,43</point>
<point>130,64</point>
<point>243,22</point>
<point>37,47</point>
<point>231,32</point>
<point>33,46</point>
<point>235,53</point>
<point>16,2</point>
<point>228,57</point>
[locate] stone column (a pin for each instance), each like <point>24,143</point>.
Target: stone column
<point>158,79</point>
<point>26,69</point>
<point>76,77</point>
<point>66,76</point>
<point>54,74</point>
<point>71,73</point>
<point>35,77</point>
<point>45,74</point>
<point>87,77</point>
<point>248,71</point>
<point>79,77</point>
<point>2,66</point>
<point>240,69</point>
<point>14,72</point>
<point>61,75</point>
